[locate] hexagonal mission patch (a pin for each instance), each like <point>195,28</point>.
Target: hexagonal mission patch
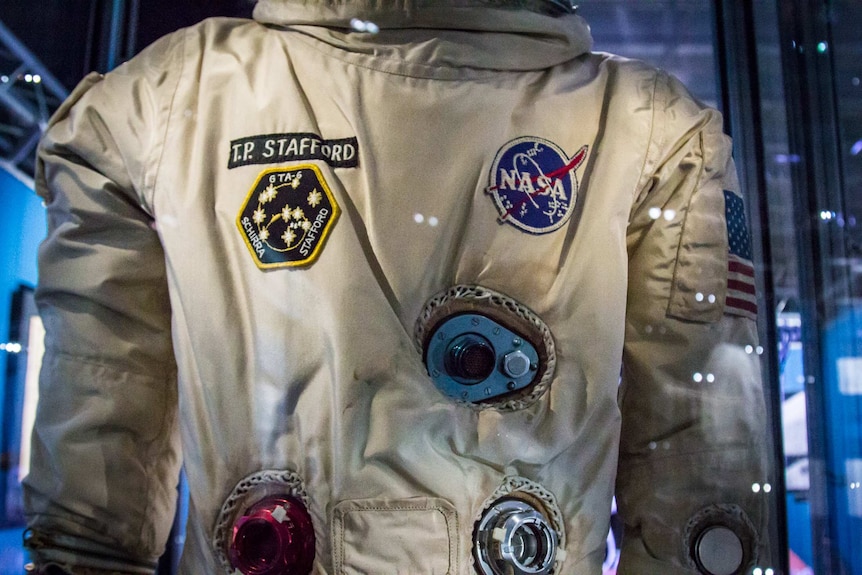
<point>286,216</point>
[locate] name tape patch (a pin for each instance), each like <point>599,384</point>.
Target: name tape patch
<point>282,148</point>
<point>534,184</point>
<point>287,216</point>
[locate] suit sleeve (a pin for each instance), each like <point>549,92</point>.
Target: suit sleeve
<point>101,492</point>
<point>693,470</point>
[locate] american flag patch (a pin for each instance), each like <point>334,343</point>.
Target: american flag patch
<point>741,296</point>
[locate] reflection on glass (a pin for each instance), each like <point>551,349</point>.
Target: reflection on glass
<point>680,38</point>
<point>812,135</point>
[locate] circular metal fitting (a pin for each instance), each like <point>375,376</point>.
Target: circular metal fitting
<point>275,536</point>
<point>515,538</point>
<point>718,551</point>
<point>508,325</point>
<point>470,359</point>
<point>721,540</point>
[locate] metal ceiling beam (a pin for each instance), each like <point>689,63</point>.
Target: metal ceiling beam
<point>34,66</point>
<point>29,94</point>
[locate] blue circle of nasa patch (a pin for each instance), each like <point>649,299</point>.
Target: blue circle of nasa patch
<point>534,184</point>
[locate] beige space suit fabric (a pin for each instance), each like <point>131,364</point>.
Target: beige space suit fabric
<point>247,220</point>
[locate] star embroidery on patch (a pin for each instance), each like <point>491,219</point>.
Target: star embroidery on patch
<point>314,198</point>
<point>268,194</point>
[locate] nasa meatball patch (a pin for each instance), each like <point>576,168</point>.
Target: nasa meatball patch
<point>534,184</point>
<point>286,217</point>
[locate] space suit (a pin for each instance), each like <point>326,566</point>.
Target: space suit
<point>406,288</point>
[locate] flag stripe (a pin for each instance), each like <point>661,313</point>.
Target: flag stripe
<point>741,292</point>
<point>736,266</point>
<point>740,286</point>
<point>742,304</point>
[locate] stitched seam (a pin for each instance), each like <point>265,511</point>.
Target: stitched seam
<point>101,362</point>
<point>685,223</point>
<point>161,438</point>
<point>651,144</point>
<point>331,52</point>
<point>338,523</point>
<point>150,190</point>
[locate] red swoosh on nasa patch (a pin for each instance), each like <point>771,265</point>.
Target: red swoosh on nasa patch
<point>573,165</point>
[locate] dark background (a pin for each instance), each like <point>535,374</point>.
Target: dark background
<point>72,37</point>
